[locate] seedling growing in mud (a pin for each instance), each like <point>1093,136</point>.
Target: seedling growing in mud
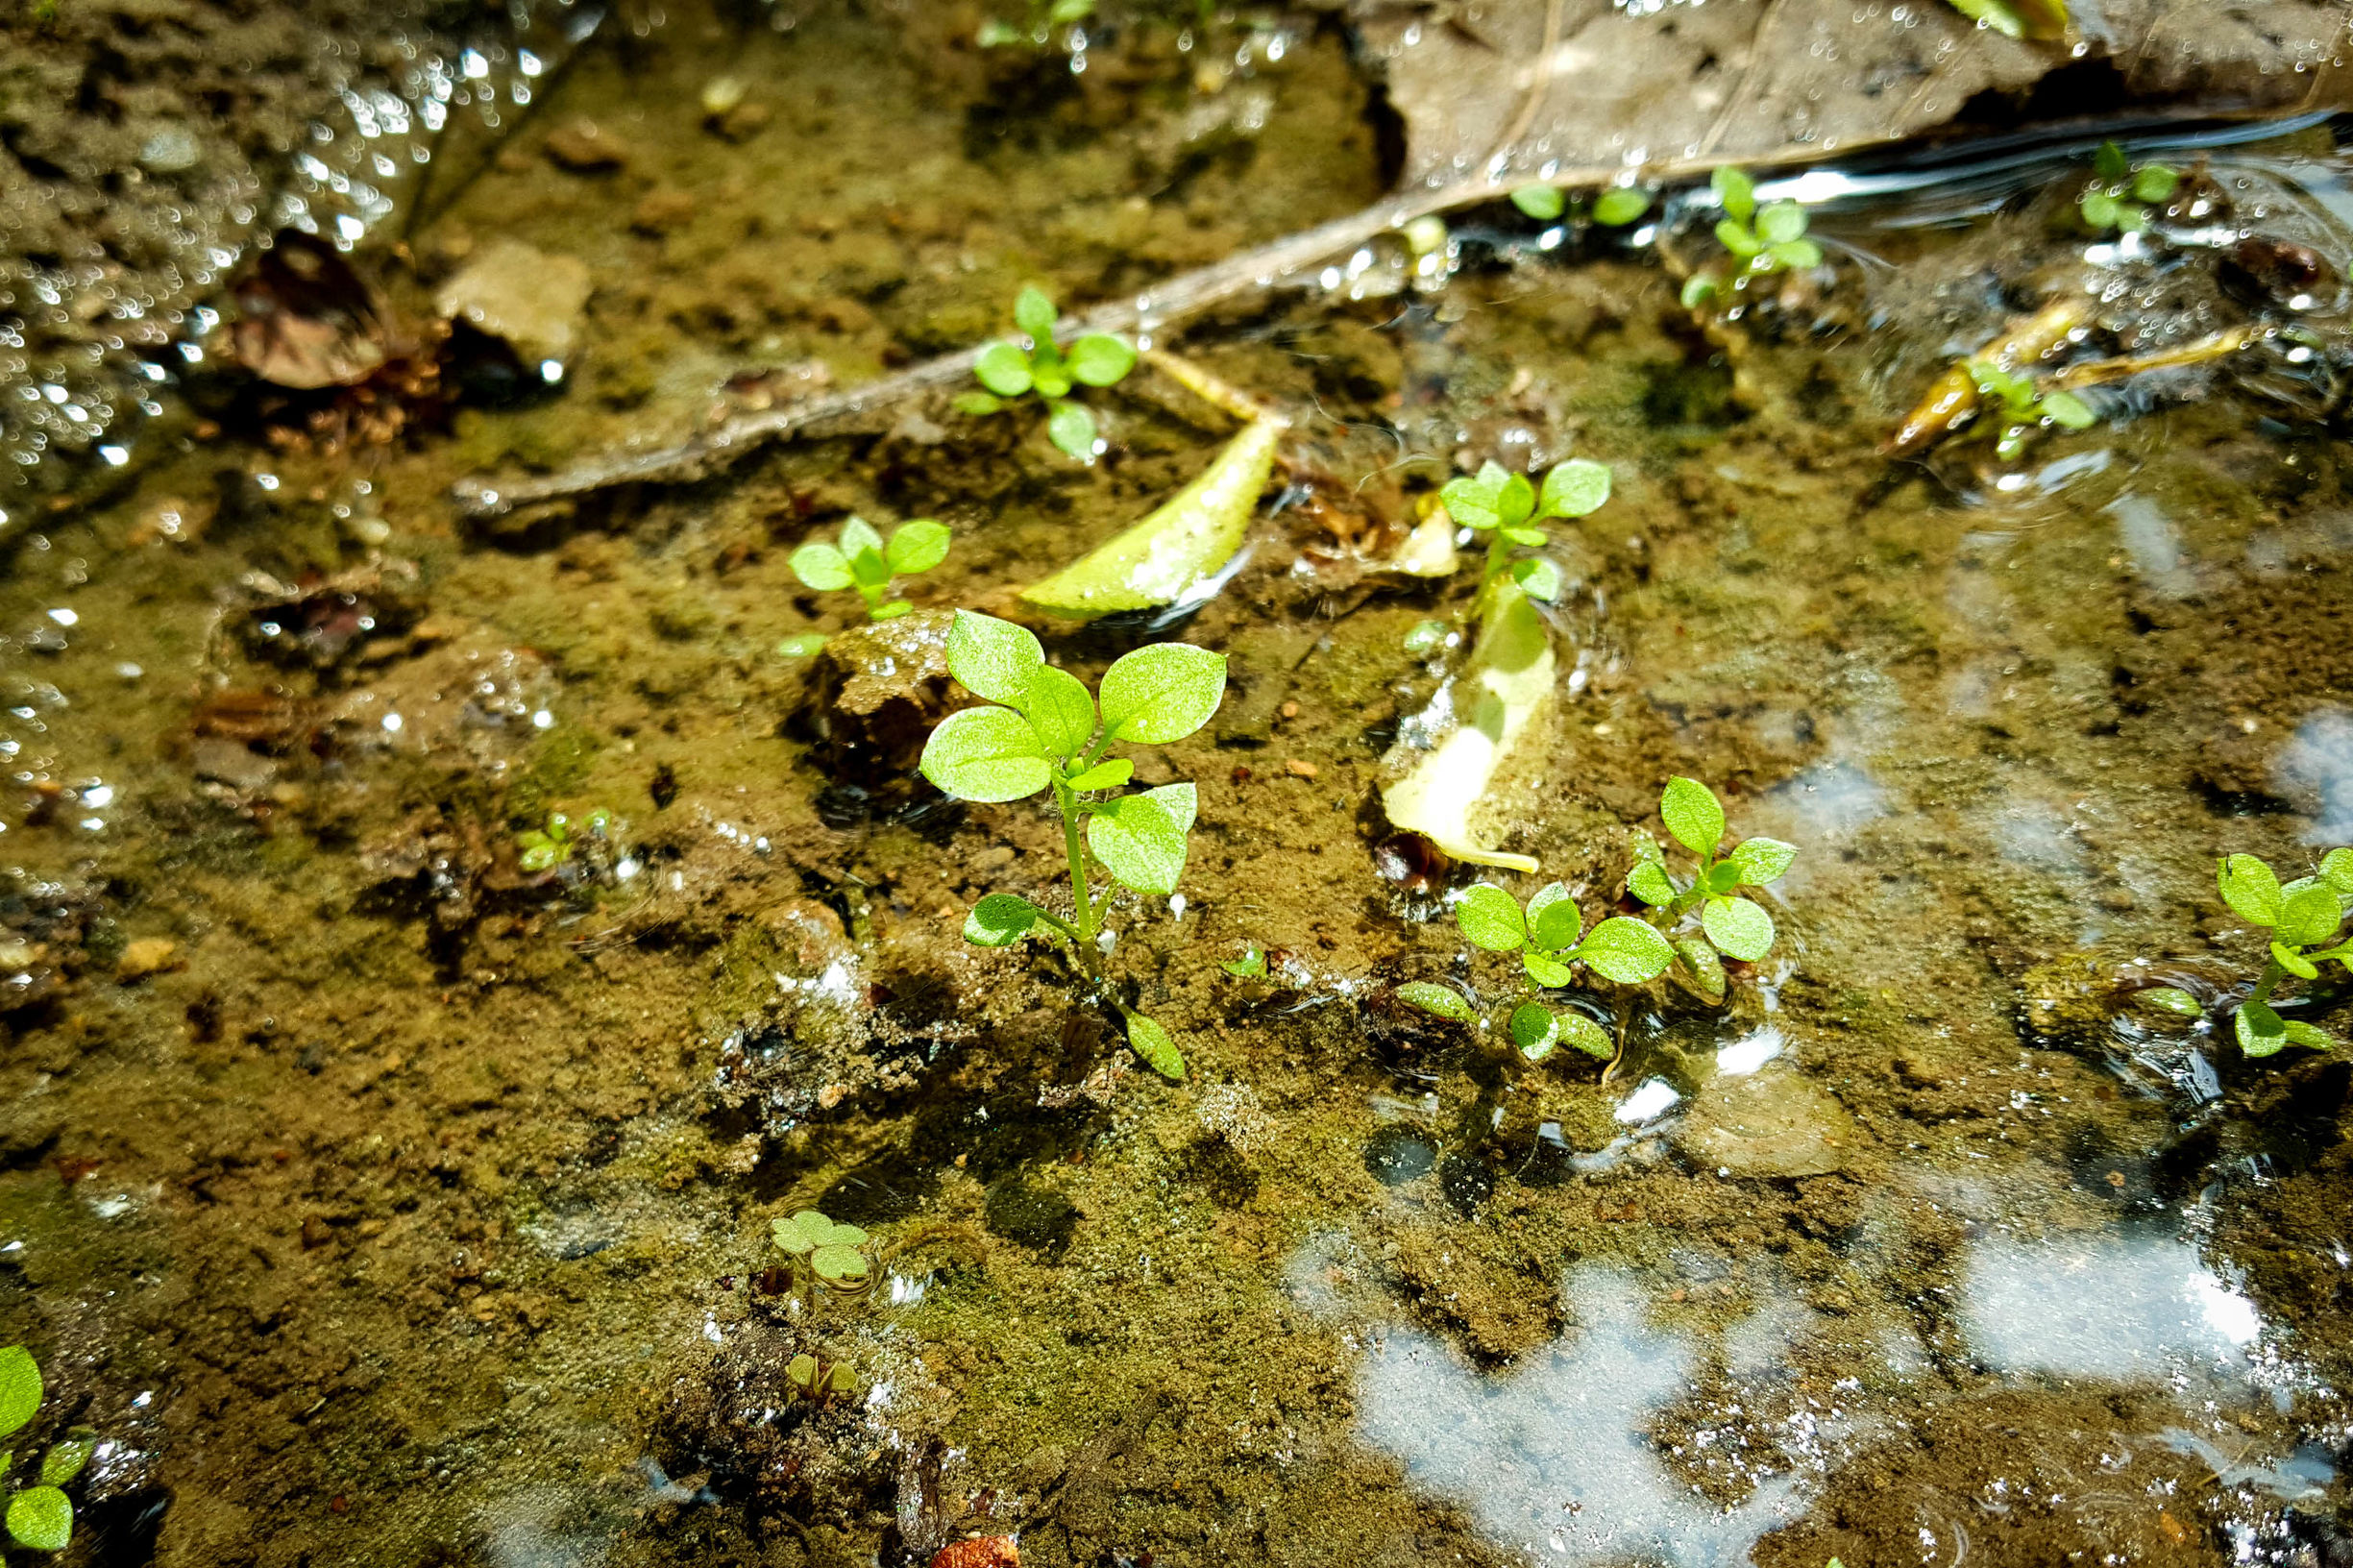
<point>1044,17</point>
<point>1251,966</point>
<point>546,849</point>
<point>1762,241</point>
<point>1009,371</point>
<point>1733,926</point>
<point>819,1380</point>
<point>1550,935</point>
<point>1613,208</point>
<point>835,1253</point>
<point>40,1517</point>
<point>2123,194</point>
<point>1506,508</point>
<point>1050,734</point>
<point>863,561</point>
<point>2303,918</point>
<point>2016,411</point>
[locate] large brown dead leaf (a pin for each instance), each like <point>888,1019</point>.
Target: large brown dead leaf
<point>1509,86</point>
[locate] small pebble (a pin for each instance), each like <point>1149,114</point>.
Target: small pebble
<point>1300,769</point>
<point>147,956</point>
<point>1289,710</point>
<point>585,148</point>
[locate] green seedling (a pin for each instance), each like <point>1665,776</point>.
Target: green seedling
<point>835,1253</point>
<point>1762,241</point>
<point>1251,966</point>
<point>2303,918</point>
<point>1009,371</point>
<point>2017,19</point>
<point>1506,507</point>
<point>1731,926</point>
<point>820,1382</point>
<point>2016,411</point>
<point>2121,194</point>
<point>1550,936</point>
<point>553,846</point>
<point>1050,733</point>
<point>40,1517</point>
<point>1044,17</point>
<point>863,561</point>
<point>1613,208</point>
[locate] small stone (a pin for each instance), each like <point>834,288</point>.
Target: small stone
<point>170,150</point>
<point>524,297</point>
<point>1300,769</point>
<point>742,122</point>
<point>585,148</point>
<point>315,1233</point>
<point>722,93</point>
<point>148,956</point>
<point>664,209</point>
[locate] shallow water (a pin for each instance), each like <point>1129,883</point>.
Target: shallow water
<point>408,1208</point>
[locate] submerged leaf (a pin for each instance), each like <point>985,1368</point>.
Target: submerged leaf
<point>1534,1030</point>
<point>2173,999</point>
<point>20,1388</point>
<point>999,921</point>
<point>1436,999</point>
<point>41,1518</point>
<point>1156,1046</point>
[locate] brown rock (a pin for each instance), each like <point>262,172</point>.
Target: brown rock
<point>664,209</point>
<point>876,692</point>
<point>148,956</point>
<point>584,147</point>
<point>980,1551</point>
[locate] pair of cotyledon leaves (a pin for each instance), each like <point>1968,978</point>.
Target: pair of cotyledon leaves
<point>1497,498</point>
<point>863,562</point>
<point>1050,731</point>
<point>1739,928</point>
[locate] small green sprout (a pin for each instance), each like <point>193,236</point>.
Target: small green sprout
<point>1050,733</point>
<point>2017,20</point>
<point>1550,935</point>
<point>863,561</point>
<point>40,1516</point>
<point>1044,17</point>
<point>1426,637</point>
<point>835,1253</point>
<point>1733,926</point>
<point>819,1380</point>
<point>1762,241</point>
<point>2017,411</point>
<point>1506,507</point>
<point>1251,966</point>
<point>1009,371</point>
<point>546,849</point>
<point>1613,208</point>
<point>2303,918</point>
<point>2122,194</point>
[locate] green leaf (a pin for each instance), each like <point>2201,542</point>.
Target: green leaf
<point>1739,929</point>
<point>1034,315</point>
<point>41,1518</point>
<point>2337,870</point>
<point>1162,692</point>
<point>1521,534</point>
<point>1690,810</point>
<point>1703,967</point>
<point>1515,503</point>
<point>1762,860</point>
<point>991,658</point>
<point>1533,1030</point>
<point>1491,919</point>
<point>1581,1032</point>
<point>2109,163</point>
<point>1251,966</point>
<point>1070,10</point>
<point>986,754</point>
<point>2154,182</point>
<point>1554,920</point>
<point>2172,999</point>
<point>918,546</point>
<point>1735,190</point>
<point>1620,206</point>
<point>1441,1000</point>
<point>1796,255</point>
<point>2304,1034</point>
<point>1545,971</point>
<point>891,611</point>
<point>820,566</point>
<point>999,921</point>
<point>1140,841</point>
<point>1004,369</point>
<point>979,404</point>
<point>1538,578</point>
<point>2308,913</point>
<point>1071,428</point>
<point>1781,222</point>
<point>2131,217</point>
<point>65,1460</point>
<point>2295,962</point>
<point>1058,709</point>
<point>1997,15</point>
<point>806,645</point>
<point>1156,1046</point>
<point>1476,500</point>
<point>2100,211</point>
<point>1720,877</point>
<point>2259,1029</point>
<point>1052,379</point>
<point>997,34</point>
<point>1698,290</point>
<point>20,1389</point>
<point>1426,637</point>
<point>1625,951</point>
<point>1103,775</point>
<point>1576,488</point>
<point>2251,888</point>
<point>1735,237</point>
<point>1098,359</point>
<point>2067,411</point>
<point>1650,883</point>
<point>859,538</point>
<point>1542,203</point>
<point>538,852</point>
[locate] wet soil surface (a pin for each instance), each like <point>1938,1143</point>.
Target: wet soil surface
<point>383,1201</point>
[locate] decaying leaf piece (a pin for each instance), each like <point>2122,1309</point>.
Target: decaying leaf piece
<point>1485,713</point>
<point>1951,402</point>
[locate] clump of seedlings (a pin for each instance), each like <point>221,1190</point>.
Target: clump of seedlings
<point>1760,242</point>
<point>1050,733</point>
<point>1730,926</point>
<point>561,841</point>
<point>1009,371</point>
<point>1506,507</point>
<point>1550,936</point>
<point>865,561</point>
<point>1613,208</point>
<point>40,1517</point>
<point>820,1382</point>
<point>1038,29</point>
<point>2303,917</point>
<point>2017,411</point>
<point>834,1252</point>
<point>2122,195</point>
